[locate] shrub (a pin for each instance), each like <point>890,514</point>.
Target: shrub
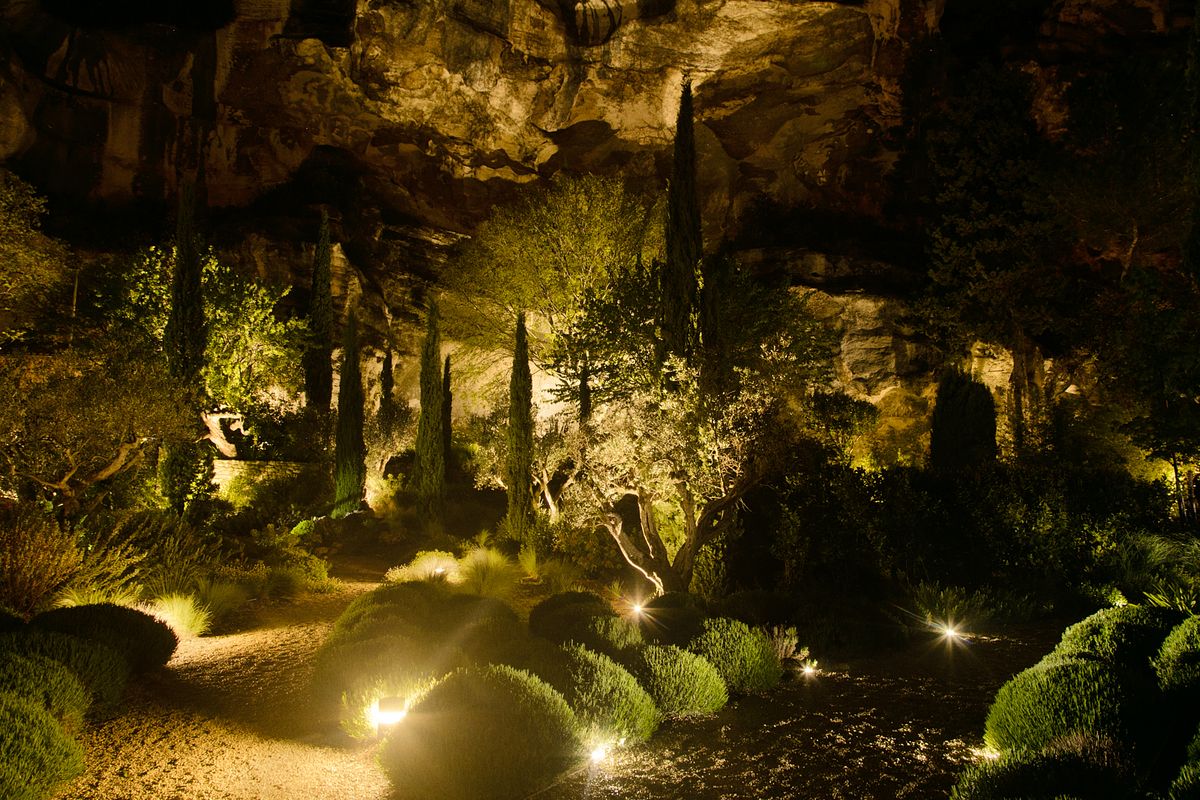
<point>545,616</point>
<point>146,642</point>
<point>37,559</point>
<point>89,596</point>
<point>673,618</point>
<point>102,670</point>
<point>427,565</point>
<point>10,622</point>
<point>221,599</point>
<point>1061,696</point>
<point>1186,785</point>
<point>182,613</point>
<point>1178,661</point>
<point>1084,768</point>
<point>744,657</point>
<point>607,700</point>
<point>44,680</point>
<point>1124,635</point>
<point>405,602</point>
<point>682,684</point>
<point>586,619</point>
<point>558,575</point>
<point>35,753</point>
<point>483,732</point>
<point>757,607</point>
<point>488,573</point>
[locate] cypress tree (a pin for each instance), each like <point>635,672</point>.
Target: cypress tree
<point>447,409</point>
<point>963,425</point>
<point>318,356</point>
<point>429,467</point>
<point>350,451</point>
<point>519,463</point>
<point>678,286</point>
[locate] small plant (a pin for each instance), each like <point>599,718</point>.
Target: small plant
<point>527,559</point>
<point>36,755</point>
<point>483,733</point>
<point>682,684</point>
<point>744,657</point>
<point>1180,595</point>
<point>44,680</point>
<point>1186,785</point>
<point>37,559</point>
<point>184,614</point>
<point>87,596</point>
<point>145,642</point>
<point>102,670</point>
<point>427,565</point>
<point>488,573</point>
<point>786,643</point>
<point>559,576</point>
<point>950,605</point>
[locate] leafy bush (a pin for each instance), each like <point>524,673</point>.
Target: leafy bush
<point>184,614</point>
<point>586,619</point>
<point>176,554</point>
<point>546,617</point>
<point>102,670</point>
<point>1186,785</point>
<point>488,573</point>
<point>427,565</point>
<point>37,559</point>
<point>1178,661</point>
<point>673,618</point>
<point>1082,768</point>
<point>1059,696</point>
<point>682,684</point>
<point>745,657</point>
<point>146,642</point>
<point>35,753</point>
<point>44,680</point>
<point>483,733</point>
<point>608,701</point>
<point>1124,635</point>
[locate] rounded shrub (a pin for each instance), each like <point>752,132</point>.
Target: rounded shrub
<point>103,671</point>
<point>405,603</point>
<point>1078,767</point>
<point>35,753</point>
<point>745,657</point>
<point>607,700</point>
<point>584,618</point>
<point>483,733</point>
<point>1123,635</point>
<point>673,618</point>
<point>146,642</point>
<point>1178,661</point>
<point>48,682</point>
<point>682,684</point>
<point>1059,697</point>
<point>547,617</point>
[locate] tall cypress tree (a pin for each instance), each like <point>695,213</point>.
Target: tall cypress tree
<point>350,451</point>
<point>678,285</point>
<point>447,412</point>
<point>519,463</point>
<point>429,467</point>
<point>318,356</point>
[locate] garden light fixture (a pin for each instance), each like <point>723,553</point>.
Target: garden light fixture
<point>389,711</point>
<point>599,754</point>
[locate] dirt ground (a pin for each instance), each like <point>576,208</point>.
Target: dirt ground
<point>229,719</point>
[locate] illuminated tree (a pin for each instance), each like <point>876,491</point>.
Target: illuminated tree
<point>447,415</point>
<point>519,463</point>
<point>679,290</point>
<point>33,266</point>
<point>350,451</point>
<point>318,356</point>
<point>428,479</point>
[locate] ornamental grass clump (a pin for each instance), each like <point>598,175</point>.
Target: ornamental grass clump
<point>609,703</point>
<point>427,565</point>
<point>745,657</point>
<point>1082,767</point>
<point>674,618</point>
<point>487,572</point>
<point>48,682</point>
<point>147,643</point>
<point>36,754</point>
<point>182,613</point>
<point>483,733</point>
<point>682,684</point>
<point>102,670</point>
<point>1127,636</point>
<point>1186,785</point>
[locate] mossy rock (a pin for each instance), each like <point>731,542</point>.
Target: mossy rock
<point>146,642</point>
<point>682,684</point>
<point>744,656</point>
<point>36,677</point>
<point>36,754</point>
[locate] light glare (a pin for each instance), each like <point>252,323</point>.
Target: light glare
<point>599,754</point>
<point>388,711</point>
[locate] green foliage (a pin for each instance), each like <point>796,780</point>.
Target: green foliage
<point>350,451</point>
<point>484,733</point>
<point>546,618</point>
<point>487,572</point>
<point>220,599</point>
<point>184,335</point>
<point>187,615</point>
<point>963,425</point>
<point>101,669</point>
<point>1062,695</point>
<point>518,467</point>
<point>33,267</point>
<point>673,618</point>
<point>681,684</point>
<point>1124,636</point>
<point>35,753</point>
<point>48,682</point>
<point>1077,767</point>
<point>951,605</point>
<point>426,565</point>
<point>144,641</point>
<point>584,618</point>
<point>428,478</point>
<point>37,558</point>
<point>318,354</point>
<point>744,657</point>
<point>678,278</point>
<point>1186,785</point>
<point>1178,664</point>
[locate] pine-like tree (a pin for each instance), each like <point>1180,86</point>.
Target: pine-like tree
<point>963,425</point>
<point>429,467</point>
<point>318,356</point>
<point>519,463</point>
<point>350,451</point>
<point>447,414</point>
<point>678,285</point>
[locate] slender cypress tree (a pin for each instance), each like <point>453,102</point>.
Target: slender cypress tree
<point>350,451</point>
<point>429,467</point>
<point>519,463</point>
<point>678,285</point>
<point>447,411</point>
<point>318,356</point>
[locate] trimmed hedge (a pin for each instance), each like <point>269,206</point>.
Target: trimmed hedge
<point>1060,696</point>
<point>544,617</point>
<point>1178,661</point>
<point>404,602</point>
<point>608,701</point>
<point>744,656</point>
<point>103,671</point>
<point>682,684</point>
<point>41,679</point>
<point>146,642</point>
<point>586,619</point>
<point>35,753</point>
<point>1090,771</point>
<point>1124,635</point>
<point>483,733</point>
<point>674,618</point>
